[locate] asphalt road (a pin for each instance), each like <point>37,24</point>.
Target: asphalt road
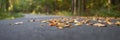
<point>34,31</point>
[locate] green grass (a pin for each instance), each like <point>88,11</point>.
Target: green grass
<point>101,13</point>
<point>63,13</point>
<point>98,13</point>
<point>105,13</point>
<point>10,15</point>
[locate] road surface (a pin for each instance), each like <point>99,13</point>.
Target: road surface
<point>34,31</point>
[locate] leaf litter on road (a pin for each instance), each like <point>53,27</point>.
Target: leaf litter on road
<point>64,22</point>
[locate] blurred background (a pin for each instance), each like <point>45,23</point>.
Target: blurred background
<point>16,8</point>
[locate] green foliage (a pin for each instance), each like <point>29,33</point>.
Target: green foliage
<point>10,15</point>
<point>60,7</point>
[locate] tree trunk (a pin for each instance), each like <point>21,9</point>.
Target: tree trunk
<point>109,7</point>
<point>74,7</point>
<point>79,11</point>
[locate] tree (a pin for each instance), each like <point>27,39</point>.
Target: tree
<point>74,7</point>
<point>4,4</point>
<point>109,7</point>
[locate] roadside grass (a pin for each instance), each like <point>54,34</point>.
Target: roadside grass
<point>92,13</point>
<point>105,13</point>
<point>10,15</point>
<point>63,13</point>
<point>95,13</point>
